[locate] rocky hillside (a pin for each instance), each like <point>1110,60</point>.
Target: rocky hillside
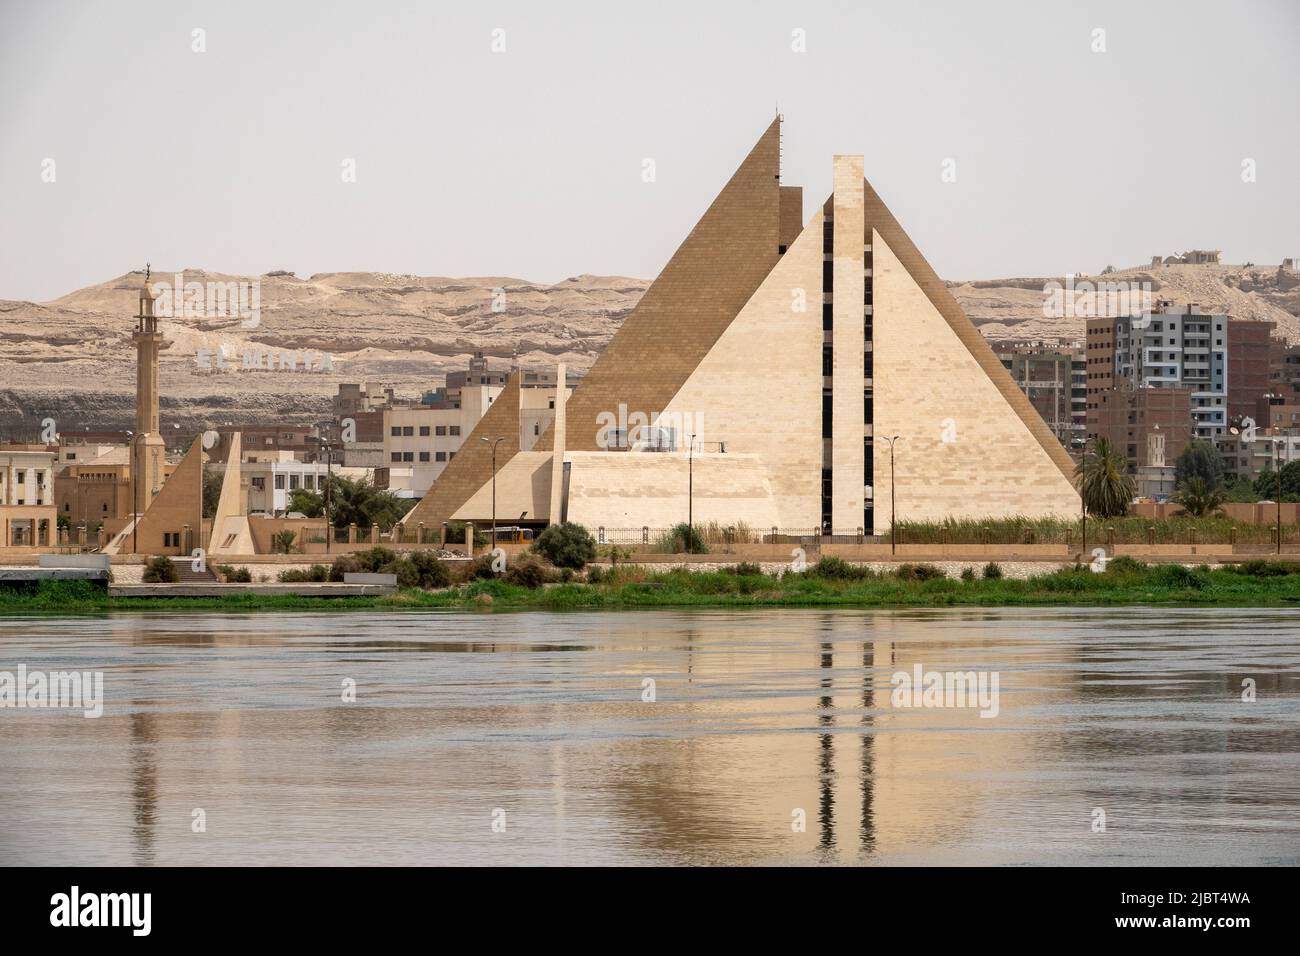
<point>72,358</point>
<point>1012,309</point>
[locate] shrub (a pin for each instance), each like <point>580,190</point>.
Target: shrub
<point>918,572</point>
<point>1259,568</point>
<point>566,575</point>
<point>1124,564</point>
<point>345,564</point>
<point>968,574</point>
<point>316,573</point>
<point>992,571</point>
<point>528,574</point>
<point>566,545</point>
<point>160,570</point>
<point>234,575</point>
<point>1179,576</point>
<point>839,569</point>
<point>480,569</point>
<point>595,574</point>
<point>745,569</point>
<point>372,559</point>
<point>407,575</point>
<point>681,538</point>
<point>431,572</point>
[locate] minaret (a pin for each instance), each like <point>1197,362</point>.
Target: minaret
<point>148,451</point>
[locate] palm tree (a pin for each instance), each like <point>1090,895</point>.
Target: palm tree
<point>1104,482</point>
<point>1199,498</point>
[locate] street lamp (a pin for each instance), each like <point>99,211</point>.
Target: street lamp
<point>893,522</point>
<point>690,491</point>
<point>1083,501</point>
<point>329,474</point>
<point>493,442</point>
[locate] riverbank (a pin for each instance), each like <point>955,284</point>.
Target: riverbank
<point>828,584</point>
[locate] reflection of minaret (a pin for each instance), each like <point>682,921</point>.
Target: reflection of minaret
<point>826,753</point>
<point>148,451</point>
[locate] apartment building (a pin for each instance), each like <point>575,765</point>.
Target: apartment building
<point>425,437</point>
<point>1054,379</point>
<point>272,477</point>
<point>27,514</point>
<point>1249,358</point>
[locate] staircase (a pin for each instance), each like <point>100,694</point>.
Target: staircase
<point>185,573</point>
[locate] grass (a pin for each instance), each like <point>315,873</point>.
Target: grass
<point>1124,582</point>
<point>1131,529</point>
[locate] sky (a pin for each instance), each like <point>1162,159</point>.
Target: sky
<point>511,139</point>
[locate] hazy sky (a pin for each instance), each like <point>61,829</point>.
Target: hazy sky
<point>528,162</point>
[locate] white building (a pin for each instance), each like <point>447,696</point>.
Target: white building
<point>271,478</point>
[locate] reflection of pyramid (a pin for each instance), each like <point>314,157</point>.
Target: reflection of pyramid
<point>725,353</point>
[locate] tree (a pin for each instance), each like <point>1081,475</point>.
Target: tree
<point>1104,482</point>
<point>1266,483</point>
<point>359,502</point>
<point>1198,498</point>
<point>566,545</point>
<point>1240,489</point>
<point>211,492</point>
<point>306,502</point>
<point>1200,459</point>
<point>283,541</point>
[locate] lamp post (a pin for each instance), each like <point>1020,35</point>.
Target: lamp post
<point>329,474</point>
<point>493,442</point>
<point>893,521</point>
<point>1083,501</point>
<point>690,491</point>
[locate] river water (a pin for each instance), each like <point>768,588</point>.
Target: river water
<point>1120,737</point>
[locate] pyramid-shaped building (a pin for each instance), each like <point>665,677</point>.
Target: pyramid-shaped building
<point>759,382</point>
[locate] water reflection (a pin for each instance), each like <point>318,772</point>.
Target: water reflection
<point>757,717</point>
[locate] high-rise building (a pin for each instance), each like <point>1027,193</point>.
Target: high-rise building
<point>1169,347</point>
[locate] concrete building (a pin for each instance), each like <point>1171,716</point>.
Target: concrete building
<point>1169,347</point>
<point>425,438</point>
<point>28,517</point>
<point>1284,369</point>
<point>1054,379</point>
<point>763,378</point>
<point>300,441</point>
<point>272,478</point>
<point>356,399</point>
<point>421,439</point>
<point>1248,360</point>
<point>1193,257</point>
<point>1249,457</point>
<point>1150,427</point>
<point>89,490</point>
